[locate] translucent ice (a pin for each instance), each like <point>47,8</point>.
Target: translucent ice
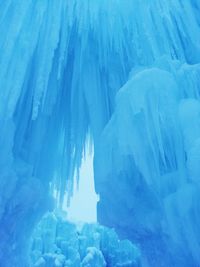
<point>90,246</point>
<point>123,75</point>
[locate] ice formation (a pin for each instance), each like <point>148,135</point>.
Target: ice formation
<point>57,242</point>
<point>123,75</point>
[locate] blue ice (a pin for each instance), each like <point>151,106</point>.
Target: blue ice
<point>124,77</point>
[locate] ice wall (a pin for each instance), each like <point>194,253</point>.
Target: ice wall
<point>149,159</point>
<point>61,65</point>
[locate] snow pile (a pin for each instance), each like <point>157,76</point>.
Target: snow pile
<point>59,243</point>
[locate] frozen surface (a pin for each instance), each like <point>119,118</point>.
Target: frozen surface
<point>57,242</point>
<point>123,75</point>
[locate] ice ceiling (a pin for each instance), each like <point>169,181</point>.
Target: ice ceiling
<point>123,75</point>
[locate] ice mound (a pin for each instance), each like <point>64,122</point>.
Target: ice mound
<point>57,242</point>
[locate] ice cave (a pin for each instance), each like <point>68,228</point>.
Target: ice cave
<point>115,83</point>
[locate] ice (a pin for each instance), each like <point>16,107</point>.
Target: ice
<point>150,150</point>
<point>86,245</point>
<point>93,258</point>
<point>123,76</point>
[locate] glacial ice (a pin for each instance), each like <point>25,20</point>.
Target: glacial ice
<point>124,76</point>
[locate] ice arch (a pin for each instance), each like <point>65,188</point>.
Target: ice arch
<point>61,65</point>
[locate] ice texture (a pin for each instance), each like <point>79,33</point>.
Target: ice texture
<point>150,153</point>
<point>59,243</point>
<point>125,76</point>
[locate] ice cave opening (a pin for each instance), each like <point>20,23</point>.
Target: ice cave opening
<point>82,206</point>
<point>70,236</point>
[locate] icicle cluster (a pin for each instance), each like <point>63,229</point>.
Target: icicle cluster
<point>62,63</point>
